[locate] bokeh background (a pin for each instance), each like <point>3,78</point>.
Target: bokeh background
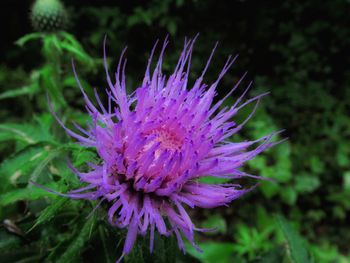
<point>297,50</point>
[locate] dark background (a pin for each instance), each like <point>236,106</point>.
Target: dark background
<point>297,50</point>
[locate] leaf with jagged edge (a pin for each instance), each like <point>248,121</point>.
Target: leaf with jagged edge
<point>21,164</point>
<point>295,244</point>
<point>165,250</point>
<point>28,194</point>
<point>76,246</point>
<point>28,133</point>
<point>18,132</point>
<point>50,211</point>
<point>43,164</point>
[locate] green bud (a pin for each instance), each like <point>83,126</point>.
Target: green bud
<point>49,16</point>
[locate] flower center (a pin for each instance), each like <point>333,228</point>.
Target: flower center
<point>168,139</point>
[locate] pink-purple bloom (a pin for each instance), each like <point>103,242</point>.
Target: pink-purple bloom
<point>157,142</point>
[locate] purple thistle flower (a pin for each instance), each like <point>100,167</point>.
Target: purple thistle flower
<point>157,142</point>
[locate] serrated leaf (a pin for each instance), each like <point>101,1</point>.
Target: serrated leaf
<point>40,167</point>
<point>27,133</point>
<point>165,250</point>
<point>27,194</point>
<point>249,241</point>
<point>49,212</point>
<point>78,242</point>
<point>295,243</point>
<point>17,132</point>
<point>21,164</point>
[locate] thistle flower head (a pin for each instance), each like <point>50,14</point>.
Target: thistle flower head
<point>157,142</point>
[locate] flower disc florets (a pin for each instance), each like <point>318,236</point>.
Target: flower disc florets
<point>156,143</point>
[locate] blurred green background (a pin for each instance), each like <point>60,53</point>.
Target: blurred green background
<point>297,50</point>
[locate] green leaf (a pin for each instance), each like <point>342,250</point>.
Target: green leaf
<point>289,195</point>
<point>27,194</point>
<point>327,252</point>
<point>269,189</point>
<point>51,48</point>
<point>42,165</point>
<point>306,183</point>
<point>13,250</point>
<point>27,133</point>
<point>250,241</point>
<point>340,198</point>
<point>264,220</point>
<point>77,53</point>
<point>81,155</point>
<point>107,246</point>
<point>165,250</point>
<point>213,252</point>
<point>316,165</point>
<point>8,241</point>
<point>213,180</point>
<point>29,37</point>
<point>21,165</point>
<point>25,90</point>
<point>273,256</point>
<point>72,46</point>
<point>49,212</point>
<point>295,244</point>
<point>342,155</point>
<point>346,181</point>
<point>78,242</point>
<point>17,132</point>
<point>51,82</point>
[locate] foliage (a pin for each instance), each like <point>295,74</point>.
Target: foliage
<point>290,50</point>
